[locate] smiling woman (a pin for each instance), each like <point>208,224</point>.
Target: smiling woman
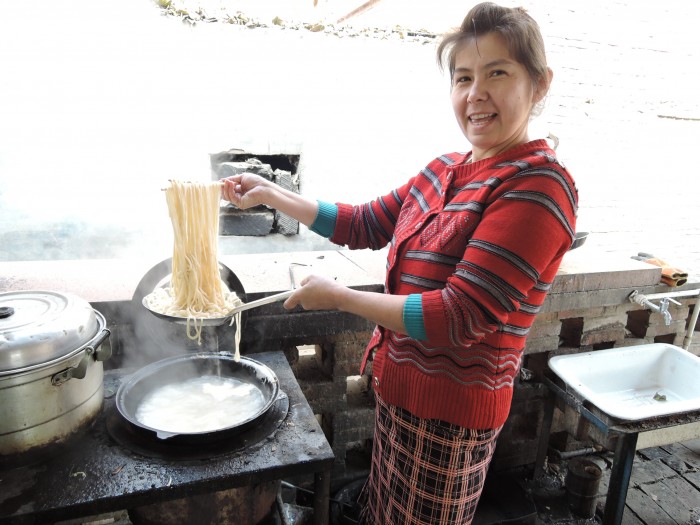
<point>499,77</point>
<point>474,243</point>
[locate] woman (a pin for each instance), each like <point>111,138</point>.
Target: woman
<point>475,241</point>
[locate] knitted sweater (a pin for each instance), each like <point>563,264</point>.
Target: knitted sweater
<point>481,243</point>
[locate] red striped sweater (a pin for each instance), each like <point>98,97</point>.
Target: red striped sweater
<point>481,242</point>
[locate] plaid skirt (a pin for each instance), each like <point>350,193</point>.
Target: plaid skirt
<point>424,471</point>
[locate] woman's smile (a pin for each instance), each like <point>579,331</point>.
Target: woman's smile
<point>482,119</point>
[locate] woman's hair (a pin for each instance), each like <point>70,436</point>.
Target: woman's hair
<point>519,30</point>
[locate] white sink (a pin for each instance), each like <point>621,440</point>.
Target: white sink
<point>634,382</point>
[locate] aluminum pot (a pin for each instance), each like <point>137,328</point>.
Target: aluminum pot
<point>51,372</point>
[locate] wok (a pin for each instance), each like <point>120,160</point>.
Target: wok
<point>177,369</point>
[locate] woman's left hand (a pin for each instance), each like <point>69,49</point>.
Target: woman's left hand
<point>317,293</point>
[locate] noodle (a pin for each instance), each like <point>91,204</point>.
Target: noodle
<point>196,290</point>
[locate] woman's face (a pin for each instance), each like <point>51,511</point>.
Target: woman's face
<point>492,96</point>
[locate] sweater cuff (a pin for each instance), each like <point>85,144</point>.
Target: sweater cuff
<point>413,317</point>
<point>324,223</point>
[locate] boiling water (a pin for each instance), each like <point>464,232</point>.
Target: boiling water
<point>200,404</point>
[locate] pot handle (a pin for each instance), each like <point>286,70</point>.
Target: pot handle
<point>95,346</point>
<point>94,351</point>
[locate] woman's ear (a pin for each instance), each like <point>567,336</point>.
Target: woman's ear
<point>543,86</point>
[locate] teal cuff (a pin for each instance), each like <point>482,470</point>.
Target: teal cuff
<point>413,317</point>
<point>324,223</point>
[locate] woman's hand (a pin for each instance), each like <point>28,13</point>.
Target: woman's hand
<point>323,293</point>
<point>245,190</point>
<point>317,293</point>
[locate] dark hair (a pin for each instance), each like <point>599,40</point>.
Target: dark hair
<point>519,30</point>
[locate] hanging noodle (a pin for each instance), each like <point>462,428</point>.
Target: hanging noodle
<point>196,290</point>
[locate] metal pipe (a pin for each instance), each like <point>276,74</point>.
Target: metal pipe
<point>570,454</point>
<point>679,293</point>
<point>691,326</point>
<point>280,508</point>
<point>645,300</point>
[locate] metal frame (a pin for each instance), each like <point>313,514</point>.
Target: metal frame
<point>624,436</point>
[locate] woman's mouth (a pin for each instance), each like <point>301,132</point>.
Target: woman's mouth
<point>481,119</point>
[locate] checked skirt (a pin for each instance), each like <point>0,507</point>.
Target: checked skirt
<point>424,471</point>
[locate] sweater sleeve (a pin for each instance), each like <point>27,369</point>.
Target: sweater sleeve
<point>413,317</point>
<point>369,225</point>
<point>324,223</point>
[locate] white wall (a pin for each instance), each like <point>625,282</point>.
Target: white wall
<point>101,103</point>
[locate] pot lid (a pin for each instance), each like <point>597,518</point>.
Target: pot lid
<point>38,327</point>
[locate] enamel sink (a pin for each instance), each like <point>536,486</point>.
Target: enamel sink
<point>634,382</point>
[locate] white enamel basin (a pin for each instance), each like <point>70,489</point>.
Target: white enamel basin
<point>634,382</point>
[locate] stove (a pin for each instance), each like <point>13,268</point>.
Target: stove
<point>110,468</point>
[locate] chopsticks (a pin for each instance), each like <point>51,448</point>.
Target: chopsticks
<point>259,302</point>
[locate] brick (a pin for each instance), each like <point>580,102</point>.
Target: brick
<point>598,275</point>
<point>541,344</point>
<point>354,425</point>
<point>518,441</point>
<point>349,350</point>
<point>585,300</point>
<point>656,329</point>
<point>634,341</point>
<point>603,334</point>
<point>325,397</point>
<point>596,323</point>
<point>346,368</point>
<point>285,224</point>
<point>677,314</point>
<point>545,329</point>
<point>548,317</point>
<point>255,222</point>
<point>226,169</point>
<point>581,312</point>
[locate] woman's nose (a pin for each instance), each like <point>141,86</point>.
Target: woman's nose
<point>477,92</point>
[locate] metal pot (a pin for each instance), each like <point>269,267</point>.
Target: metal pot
<point>51,373</point>
<point>176,370</point>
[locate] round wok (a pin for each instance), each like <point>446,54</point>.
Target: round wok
<point>180,368</point>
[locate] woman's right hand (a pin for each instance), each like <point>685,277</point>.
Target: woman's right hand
<point>246,190</point>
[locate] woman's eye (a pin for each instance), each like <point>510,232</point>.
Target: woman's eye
<point>462,79</point>
<point>497,73</point>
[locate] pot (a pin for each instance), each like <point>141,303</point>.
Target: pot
<point>259,379</point>
<point>51,372</point>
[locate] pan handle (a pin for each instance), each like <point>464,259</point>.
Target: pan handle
<point>265,300</point>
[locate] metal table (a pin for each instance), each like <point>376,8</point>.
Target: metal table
<point>98,475</point>
<point>624,437</point>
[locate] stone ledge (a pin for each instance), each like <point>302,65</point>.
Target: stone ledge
<point>605,279</point>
